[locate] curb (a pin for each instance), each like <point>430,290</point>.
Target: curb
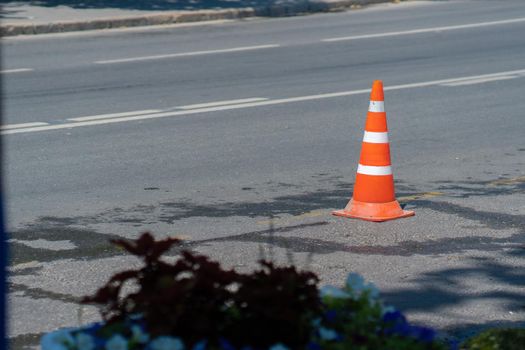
<point>172,17</point>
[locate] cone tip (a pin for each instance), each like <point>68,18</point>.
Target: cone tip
<point>377,91</point>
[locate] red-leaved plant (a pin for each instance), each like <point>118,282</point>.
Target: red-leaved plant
<point>194,298</point>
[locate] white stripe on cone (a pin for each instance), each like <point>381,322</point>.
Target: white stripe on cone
<point>374,170</point>
<point>375,137</point>
<point>376,106</point>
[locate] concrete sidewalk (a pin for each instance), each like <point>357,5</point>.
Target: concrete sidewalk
<point>23,18</point>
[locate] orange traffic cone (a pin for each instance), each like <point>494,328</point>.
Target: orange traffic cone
<point>374,198</point>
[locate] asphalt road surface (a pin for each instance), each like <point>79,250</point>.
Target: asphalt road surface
<point>218,132</point>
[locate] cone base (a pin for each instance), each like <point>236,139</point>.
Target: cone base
<point>373,211</point>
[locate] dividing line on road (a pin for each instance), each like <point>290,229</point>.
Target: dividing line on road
<point>426,30</point>
<point>222,103</point>
<point>485,78</point>
<point>22,125</point>
<point>267,102</point>
<point>481,81</point>
<point>114,115</point>
<point>270,46</point>
<point>18,70</point>
<point>184,54</point>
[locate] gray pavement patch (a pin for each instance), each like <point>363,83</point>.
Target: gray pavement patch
<point>441,288</point>
<point>514,243</point>
<point>475,288</point>
<point>172,211</point>
<point>34,316</point>
<point>466,189</point>
<point>293,204</point>
<point>28,341</point>
<point>498,221</point>
<point>70,279</point>
<point>39,293</point>
<point>441,246</point>
<point>30,265</point>
<point>45,244</point>
<point>270,237</point>
<point>90,244</point>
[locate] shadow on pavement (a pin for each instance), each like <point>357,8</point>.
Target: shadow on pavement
<point>434,288</point>
<point>443,288</point>
<point>427,292</point>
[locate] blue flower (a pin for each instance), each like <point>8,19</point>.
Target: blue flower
<point>397,324</point>
<point>327,334</point>
<point>58,340</point>
<point>356,285</point>
<point>313,346</point>
<point>330,315</point>
<point>334,292</point>
<point>92,329</point>
<point>225,344</point>
<point>424,334</point>
<point>394,317</point>
<point>386,309</point>
<point>84,341</point>
<point>355,281</point>
<point>201,345</point>
<point>166,343</point>
<point>139,335</point>
<point>402,329</point>
<point>100,343</point>
<point>117,342</point>
<point>373,292</point>
<point>453,344</point>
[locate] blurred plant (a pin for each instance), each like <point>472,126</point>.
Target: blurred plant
<point>196,297</point>
<point>192,303</point>
<point>355,318</point>
<point>504,339</point>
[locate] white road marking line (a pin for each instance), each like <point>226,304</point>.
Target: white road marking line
<point>222,103</point>
<point>114,115</point>
<point>184,54</point>
<point>18,70</point>
<point>23,125</point>
<point>446,81</point>
<point>426,30</point>
<point>253,104</point>
<point>479,81</point>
